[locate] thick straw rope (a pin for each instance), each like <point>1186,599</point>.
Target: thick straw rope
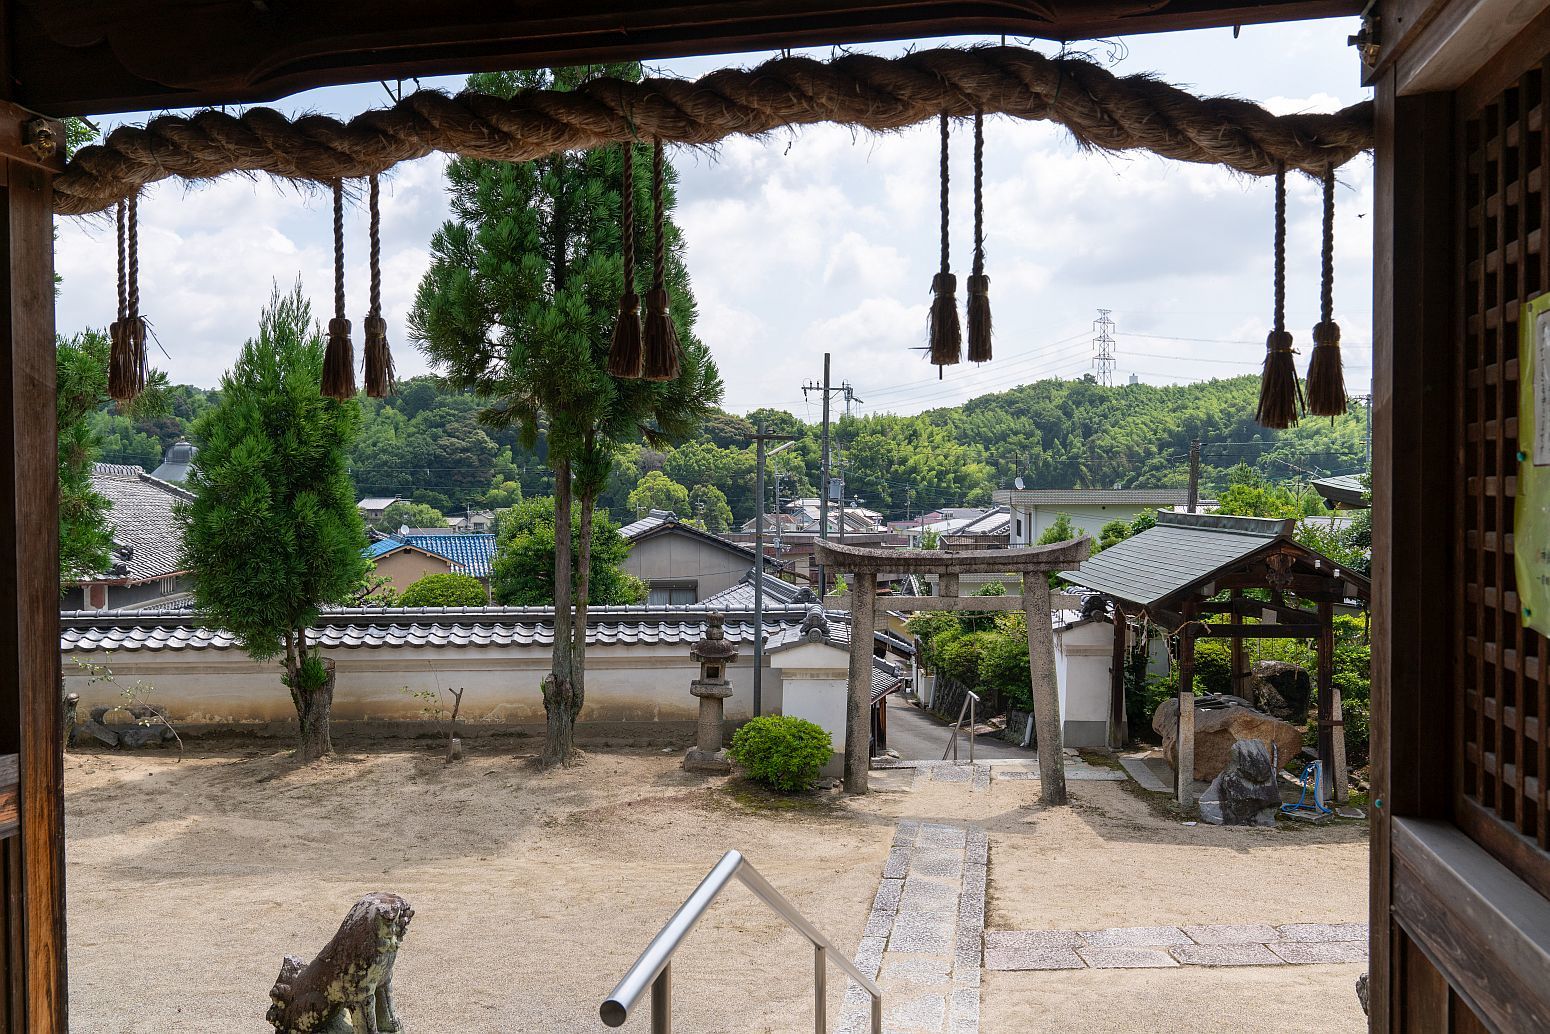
<point>867,92</point>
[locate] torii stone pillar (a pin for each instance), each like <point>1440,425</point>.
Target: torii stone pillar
<point>1032,564</point>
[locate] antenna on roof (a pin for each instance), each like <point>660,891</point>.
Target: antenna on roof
<point>1017,483</point>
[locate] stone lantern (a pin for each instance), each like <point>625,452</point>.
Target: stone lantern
<point>715,655</point>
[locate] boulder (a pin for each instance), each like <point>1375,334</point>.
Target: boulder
<point>1245,794</point>
<point>1281,690</point>
<point>1219,723</point>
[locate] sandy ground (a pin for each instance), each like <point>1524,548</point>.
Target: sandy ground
<point>534,892</point>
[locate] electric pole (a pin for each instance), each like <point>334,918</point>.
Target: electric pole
<point>1103,348</point>
<point>825,486</point>
<point>1194,476</point>
<point>758,564</point>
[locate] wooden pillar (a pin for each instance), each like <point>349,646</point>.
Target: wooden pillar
<point>1046,692</point>
<point>858,704</point>
<point>32,855</point>
<point>1184,740</point>
<point>1331,731</point>
<point>1237,648</point>
<point>1117,723</point>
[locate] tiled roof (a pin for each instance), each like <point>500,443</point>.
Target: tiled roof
<point>836,633</point>
<point>381,548</point>
<point>661,522</point>
<point>470,554</point>
<point>652,521</point>
<point>994,522</point>
<point>1182,549</point>
<point>423,627</point>
<point>776,593</point>
<point>886,678</point>
<point>377,502</point>
<point>176,463</point>
<point>147,538</point>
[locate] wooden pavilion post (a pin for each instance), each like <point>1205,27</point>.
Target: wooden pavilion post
<point>1237,647</point>
<point>1046,693</point>
<point>1117,722</point>
<point>32,884</point>
<point>1331,731</point>
<point>1184,739</point>
<point>858,702</point>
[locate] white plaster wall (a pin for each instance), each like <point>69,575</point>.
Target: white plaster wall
<point>1038,519</point>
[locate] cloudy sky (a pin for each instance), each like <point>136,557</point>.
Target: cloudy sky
<point>823,240</point>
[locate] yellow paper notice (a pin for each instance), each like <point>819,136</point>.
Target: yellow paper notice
<point>1531,521</point>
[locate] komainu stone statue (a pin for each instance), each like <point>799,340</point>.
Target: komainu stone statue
<point>1245,794</point>
<point>348,988</point>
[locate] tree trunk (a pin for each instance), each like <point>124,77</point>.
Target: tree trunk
<point>559,687</point>
<point>313,704</point>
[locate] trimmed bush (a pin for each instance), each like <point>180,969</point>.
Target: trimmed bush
<point>783,752</point>
<point>445,590</point>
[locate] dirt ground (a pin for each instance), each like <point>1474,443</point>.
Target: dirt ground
<point>534,892</point>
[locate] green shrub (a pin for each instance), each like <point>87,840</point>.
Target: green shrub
<point>445,590</point>
<point>783,752</point>
<point>1213,667</point>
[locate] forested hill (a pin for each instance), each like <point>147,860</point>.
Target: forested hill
<point>428,444</point>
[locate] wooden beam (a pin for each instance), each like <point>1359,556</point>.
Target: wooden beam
<point>1236,653</point>
<point>87,58</point>
<point>1202,630</point>
<point>1117,720</point>
<point>29,588</point>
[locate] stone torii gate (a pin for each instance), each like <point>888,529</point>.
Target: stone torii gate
<point>1033,564</point>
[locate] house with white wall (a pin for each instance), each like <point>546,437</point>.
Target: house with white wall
<point>1035,510</point>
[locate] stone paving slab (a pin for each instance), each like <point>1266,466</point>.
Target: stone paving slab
<point>1224,955</point>
<point>1218,933</point>
<point>1125,957</point>
<point>1136,937</point>
<point>1146,774</point>
<point>1323,932</point>
<point>1310,953</point>
<point>1022,939</point>
<point>1014,960</point>
<point>1077,770</point>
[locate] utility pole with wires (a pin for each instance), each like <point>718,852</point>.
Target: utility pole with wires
<point>825,485</point>
<point>1194,475</point>
<point>760,455</point>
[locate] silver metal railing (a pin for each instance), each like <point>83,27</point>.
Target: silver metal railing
<point>970,706</point>
<point>654,968</point>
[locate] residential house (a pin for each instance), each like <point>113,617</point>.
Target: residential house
<point>681,563</point>
<point>147,569</point>
<point>410,554</point>
<point>1034,510</point>
<point>473,521</point>
<point>372,507</point>
<point>401,564</point>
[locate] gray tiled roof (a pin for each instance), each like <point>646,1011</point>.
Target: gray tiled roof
<point>837,634</point>
<point>1092,496</point>
<point>147,538</point>
<point>663,522</point>
<point>1182,549</point>
<point>424,627</point>
<point>776,593</point>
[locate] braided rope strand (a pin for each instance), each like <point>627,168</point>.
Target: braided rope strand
<point>339,250</point>
<point>1327,283</point>
<point>859,90</point>
<point>374,238</point>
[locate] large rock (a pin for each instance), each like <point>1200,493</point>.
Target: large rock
<point>1282,690</point>
<point>1219,723</point>
<point>1245,794</point>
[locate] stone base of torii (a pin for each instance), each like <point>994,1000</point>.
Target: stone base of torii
<point>863,565</point>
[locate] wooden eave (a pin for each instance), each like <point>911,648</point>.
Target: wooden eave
<point>81,57</point>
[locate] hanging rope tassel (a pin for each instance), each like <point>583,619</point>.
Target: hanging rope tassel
<point>946,336</point>
<point>126,357</point>
<point>1280,393</point>
<point>379,357</point>
<point>979,283</point>
<point>339,357</point>
<point>661,348</point>
<point>626,357</point>
<point>1326,379</point>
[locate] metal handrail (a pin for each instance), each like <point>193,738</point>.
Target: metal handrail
<point>970,704</point>
<point>654,967</point>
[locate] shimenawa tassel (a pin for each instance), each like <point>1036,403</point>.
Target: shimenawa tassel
<point>1326,379</point>
<point>1280,393</point>
<point>979,283</point>
<point>339,356</point>
<point>946,335</point>
<point>626,357</point>
<point>660,345</point>
<point>379,357</point>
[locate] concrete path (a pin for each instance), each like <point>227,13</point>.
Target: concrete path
<point>918,736</point>
<point>1169,947</point>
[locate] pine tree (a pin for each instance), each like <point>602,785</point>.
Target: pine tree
<point>518,305</point>
<point>273,534</point>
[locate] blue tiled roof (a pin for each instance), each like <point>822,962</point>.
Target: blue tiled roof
<point>380,548</point>
<point>470,554</point>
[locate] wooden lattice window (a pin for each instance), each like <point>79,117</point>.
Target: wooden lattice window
<point>1500,764</point>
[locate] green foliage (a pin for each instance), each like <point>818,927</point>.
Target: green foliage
<point>711,511</point>
<point>523,570</point>
<point>81,369</point>
<point>780,751</point>
<point>1213,666</point>
<point>930,539</point>
<point>657,491</point>
<point>311,674</point>
<point>273,531</point>
<point>445,590</point>
<point>1060,530</point>
<point>409,514</point>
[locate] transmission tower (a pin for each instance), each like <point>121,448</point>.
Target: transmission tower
<point>1103,348</point>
